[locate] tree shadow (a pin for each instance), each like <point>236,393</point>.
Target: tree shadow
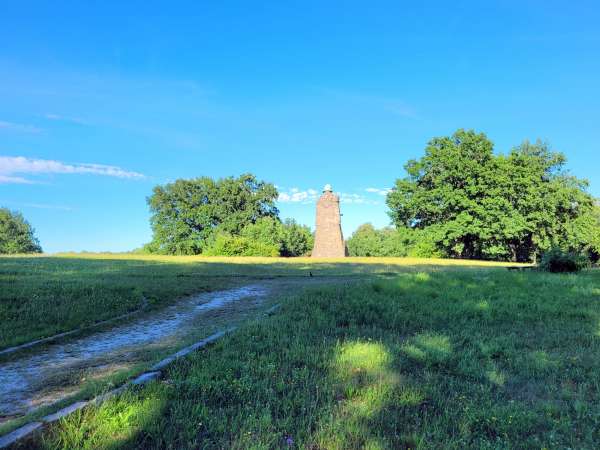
<point>426,359</point>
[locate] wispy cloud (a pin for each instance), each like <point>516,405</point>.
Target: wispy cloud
<point>45,206</point>
<point>19,165</point>
<point>295,195</point>
<point>310,196</point>
<point>383,192</point>
<point>5,179</point>
<point>19,127</point>
<point>60,118</point>
<point>38,206</point>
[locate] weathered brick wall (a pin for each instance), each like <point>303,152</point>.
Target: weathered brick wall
<point>329,242</point>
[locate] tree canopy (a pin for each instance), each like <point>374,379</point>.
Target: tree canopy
<point>230,216</point>
<point>477,204</point>
<point>389,241</point>
<point>186,213</point>
<point>16,234</point>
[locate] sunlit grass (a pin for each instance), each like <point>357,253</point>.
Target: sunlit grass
<point>49,294</point>
<point>411,361</point>
<point>293,261</point>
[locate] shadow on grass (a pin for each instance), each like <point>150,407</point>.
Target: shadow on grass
<point>436,359</point>
<point>44,296</point>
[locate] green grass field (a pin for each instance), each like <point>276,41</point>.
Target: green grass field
<point>415,356</point>
<point>43,296</point>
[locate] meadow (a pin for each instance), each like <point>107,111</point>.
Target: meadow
<point>45,295</point>
<point>414,355</point>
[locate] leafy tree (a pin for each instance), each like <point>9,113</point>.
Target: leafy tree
<point>266,230</point>
<point>424,243</point>
<point>365,241</point>
<point>186,213</point>
<point>594,251</point>
<point>16,235</point>
<point>475,204</point>
<point>389,241</point>
<point>297,240</point>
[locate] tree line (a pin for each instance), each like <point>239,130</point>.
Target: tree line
<point>233,216</point>
<point>459,200</point>
<point>462,200</point>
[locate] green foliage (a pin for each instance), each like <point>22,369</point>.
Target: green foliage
<point>424,244</point>
<point>399,242</point>
<point>365,241</point>
<point>186,213</point>
<point>16,235</point>
<point>227,217</point>
<point>296,239</point>
<point>267,231</point>
<point>557,260</point>
<point>225,244</point>
<point>594,251</point>
<point>268,236</point>
<point>487,206</point>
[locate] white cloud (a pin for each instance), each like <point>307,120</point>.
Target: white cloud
<point>5,179</point>
<point>378,191</point>
<point>356,199</point>
<point>295,195</point>
<point>19,165</point>
<point>310,196</point>
<point>59,118</point>
<point>45,206</point>
<point>18,127</point>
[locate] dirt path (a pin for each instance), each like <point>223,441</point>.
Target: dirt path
<point>43,376</point>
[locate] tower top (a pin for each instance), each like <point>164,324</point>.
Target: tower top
<point>327,188</point>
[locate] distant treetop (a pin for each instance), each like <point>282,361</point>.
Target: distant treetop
<point>16,235</point>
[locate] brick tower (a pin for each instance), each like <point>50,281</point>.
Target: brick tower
<point>329,242</point>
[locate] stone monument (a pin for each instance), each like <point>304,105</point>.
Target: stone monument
<point>329,242</point>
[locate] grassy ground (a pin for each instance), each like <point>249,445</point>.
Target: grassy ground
<point>43,296</point>
<point>430,358</point>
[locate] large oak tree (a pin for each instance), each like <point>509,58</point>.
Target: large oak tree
<point>479,204</point>
<point>186,213</point>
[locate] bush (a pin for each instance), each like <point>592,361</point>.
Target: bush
<point>389,241</point>
<point>268,236</point>
<point>266,231</point>
<point>557,260</point>
<point>425,245</point>
<point>297,240</point>
<point>225,244</point>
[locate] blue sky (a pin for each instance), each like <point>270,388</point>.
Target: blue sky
<point>100,102</point>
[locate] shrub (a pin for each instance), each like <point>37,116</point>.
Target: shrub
<point>225,244</point>
<point>557,260</point>
<point>297,240</point>
<point>424,245</point>
<point>266,231</point>
<point>389,241</point>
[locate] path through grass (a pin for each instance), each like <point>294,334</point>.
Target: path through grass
<point>443,358</point>
<point>43,296</point>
